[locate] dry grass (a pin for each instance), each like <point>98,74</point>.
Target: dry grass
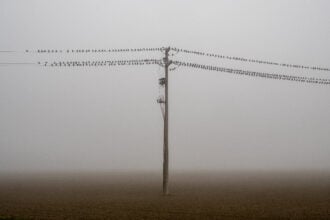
<point>250,195</point>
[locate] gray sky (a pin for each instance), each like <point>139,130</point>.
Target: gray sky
<point>108,119</point>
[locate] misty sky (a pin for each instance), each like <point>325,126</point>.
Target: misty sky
<point>107,118</point>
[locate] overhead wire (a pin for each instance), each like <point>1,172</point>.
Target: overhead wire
<point>16,63</point>
<point>255,74</point>
<point>250,60</point>
<point>91,63</point>
<point>95,50</point>
<point>175,49</point>
<point>160,62</point>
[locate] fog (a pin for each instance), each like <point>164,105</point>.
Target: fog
<point>107,118</point>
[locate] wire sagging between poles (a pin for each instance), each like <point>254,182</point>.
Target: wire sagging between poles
<point>255,74</point>
<point>250,60</point>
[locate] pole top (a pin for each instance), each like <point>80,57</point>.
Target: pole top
<point>167,49</point>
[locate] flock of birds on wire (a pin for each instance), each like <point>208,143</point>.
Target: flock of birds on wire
<point>242,59</point>
<point>93,50</point>
<point>255,74</point>
<point>100,63</point>
<point>160,62</point>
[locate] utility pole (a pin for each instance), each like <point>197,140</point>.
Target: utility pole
<point>167,63</point>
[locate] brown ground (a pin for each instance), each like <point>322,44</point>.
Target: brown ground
<point>249,195</point>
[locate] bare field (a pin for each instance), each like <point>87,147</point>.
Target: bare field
<point>208,195</point>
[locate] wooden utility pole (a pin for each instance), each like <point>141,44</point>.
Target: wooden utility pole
<point>167,63</point>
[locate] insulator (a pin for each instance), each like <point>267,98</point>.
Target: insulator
<point>162,81</point>
<point>160,100</point>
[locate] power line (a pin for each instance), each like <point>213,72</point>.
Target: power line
<point>84,50</point>
<point>255,74</point>
<point>96,50</point>
<point>18,63</point>
<point>250,60</point>
<point>162,49</point>
<point>139,62</point>
<point>94,63</point>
